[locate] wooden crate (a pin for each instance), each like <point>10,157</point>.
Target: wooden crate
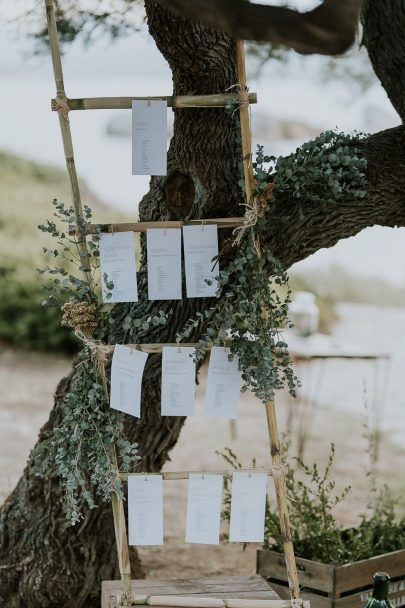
<point>249,587</point>
<point>328,586</point>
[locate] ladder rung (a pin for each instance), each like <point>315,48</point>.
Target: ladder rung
<point>226,222</point>
<point>181,101</point>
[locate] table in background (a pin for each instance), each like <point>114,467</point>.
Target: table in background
<point>319,348</point>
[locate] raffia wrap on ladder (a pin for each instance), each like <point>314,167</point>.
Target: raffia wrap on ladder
<point>274,439</point>
<point>256,206</point>
<point>61,106</point>
<point>81,317</point>
<point>253,212</point>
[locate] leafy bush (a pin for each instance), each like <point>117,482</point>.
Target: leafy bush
<point>26,191</point>
<point>25,322</point>
<point>316,533</point>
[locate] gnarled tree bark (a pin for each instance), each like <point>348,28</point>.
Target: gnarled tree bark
<point>383,34</point>
<point>43,561</point>
<point>329,29</point>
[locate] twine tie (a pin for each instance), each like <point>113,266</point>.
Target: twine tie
<point>61,106</point>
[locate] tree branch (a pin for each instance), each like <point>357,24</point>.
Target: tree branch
<point>297,231</point>
<point>329,29</point>
<point>383,31</point>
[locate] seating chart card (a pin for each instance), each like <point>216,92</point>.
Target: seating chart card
<point>149,137</point>
<point>145,509</point>
<point>178,381</point>
<point>117,261</point>
<point>164,264</point>
<point>126,379</point>
<point>204,509</point>
<point>248,507</point>
<point>223,385</point>
<point>200,247</point>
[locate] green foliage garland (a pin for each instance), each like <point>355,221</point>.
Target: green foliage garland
<point>78,448</point>
<point>249,315</point>
<point>64,284</point>
<point>326,169</point>
<point>249,320</point>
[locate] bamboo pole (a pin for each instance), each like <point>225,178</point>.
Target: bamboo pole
<point>222,223</point>
<point>153,348</point>
<point>118,509</point>
<point>274,440</point>
<point>245,123</point>
<point>66,134</point>
<point>173,601</point>
<point>279,483</point>
<point>125,103</point>
<point>120,531</point>
<point>180,475</point>
<point>156,348</point>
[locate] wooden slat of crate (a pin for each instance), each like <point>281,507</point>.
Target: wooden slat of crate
<point>250,587</point>
<point>397,596</point>
<point>359,574</point>
<point>311,574</point>
<point>336,580</point>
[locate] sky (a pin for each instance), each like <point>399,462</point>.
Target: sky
<point>133,66</point>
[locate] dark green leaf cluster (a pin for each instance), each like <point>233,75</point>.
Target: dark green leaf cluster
<point>90,20</point>
<point>316,533</point>
<point>79,448</point>
<point>249,316</point>
<point>326,169</point>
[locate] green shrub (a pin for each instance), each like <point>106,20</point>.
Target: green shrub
<point>315,532</point>
<point>26,193</point>
<point>25,322</point>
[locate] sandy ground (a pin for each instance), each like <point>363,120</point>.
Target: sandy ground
<point>27,383</point>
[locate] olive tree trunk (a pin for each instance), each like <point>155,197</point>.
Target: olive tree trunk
<point>44,562</point>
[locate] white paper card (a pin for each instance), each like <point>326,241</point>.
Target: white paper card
<point>117,261</point>
<point>126,379</point>
<point>178,381</point>
<point>248,507</point>
<point>145,510</point>
<point>149,137</point>
<point>200,247</point>
<point>204,509</point>
<point>164,264</point>
<point>223,385</point>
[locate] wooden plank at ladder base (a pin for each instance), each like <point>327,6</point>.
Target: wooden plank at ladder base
<point>118,509</point>
<point>274,440</point>
<point>201,589</point>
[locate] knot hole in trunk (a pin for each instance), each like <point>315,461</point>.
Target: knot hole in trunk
<point>179,191</point>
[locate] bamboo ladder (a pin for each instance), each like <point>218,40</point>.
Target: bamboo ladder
<point>63,105</point>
